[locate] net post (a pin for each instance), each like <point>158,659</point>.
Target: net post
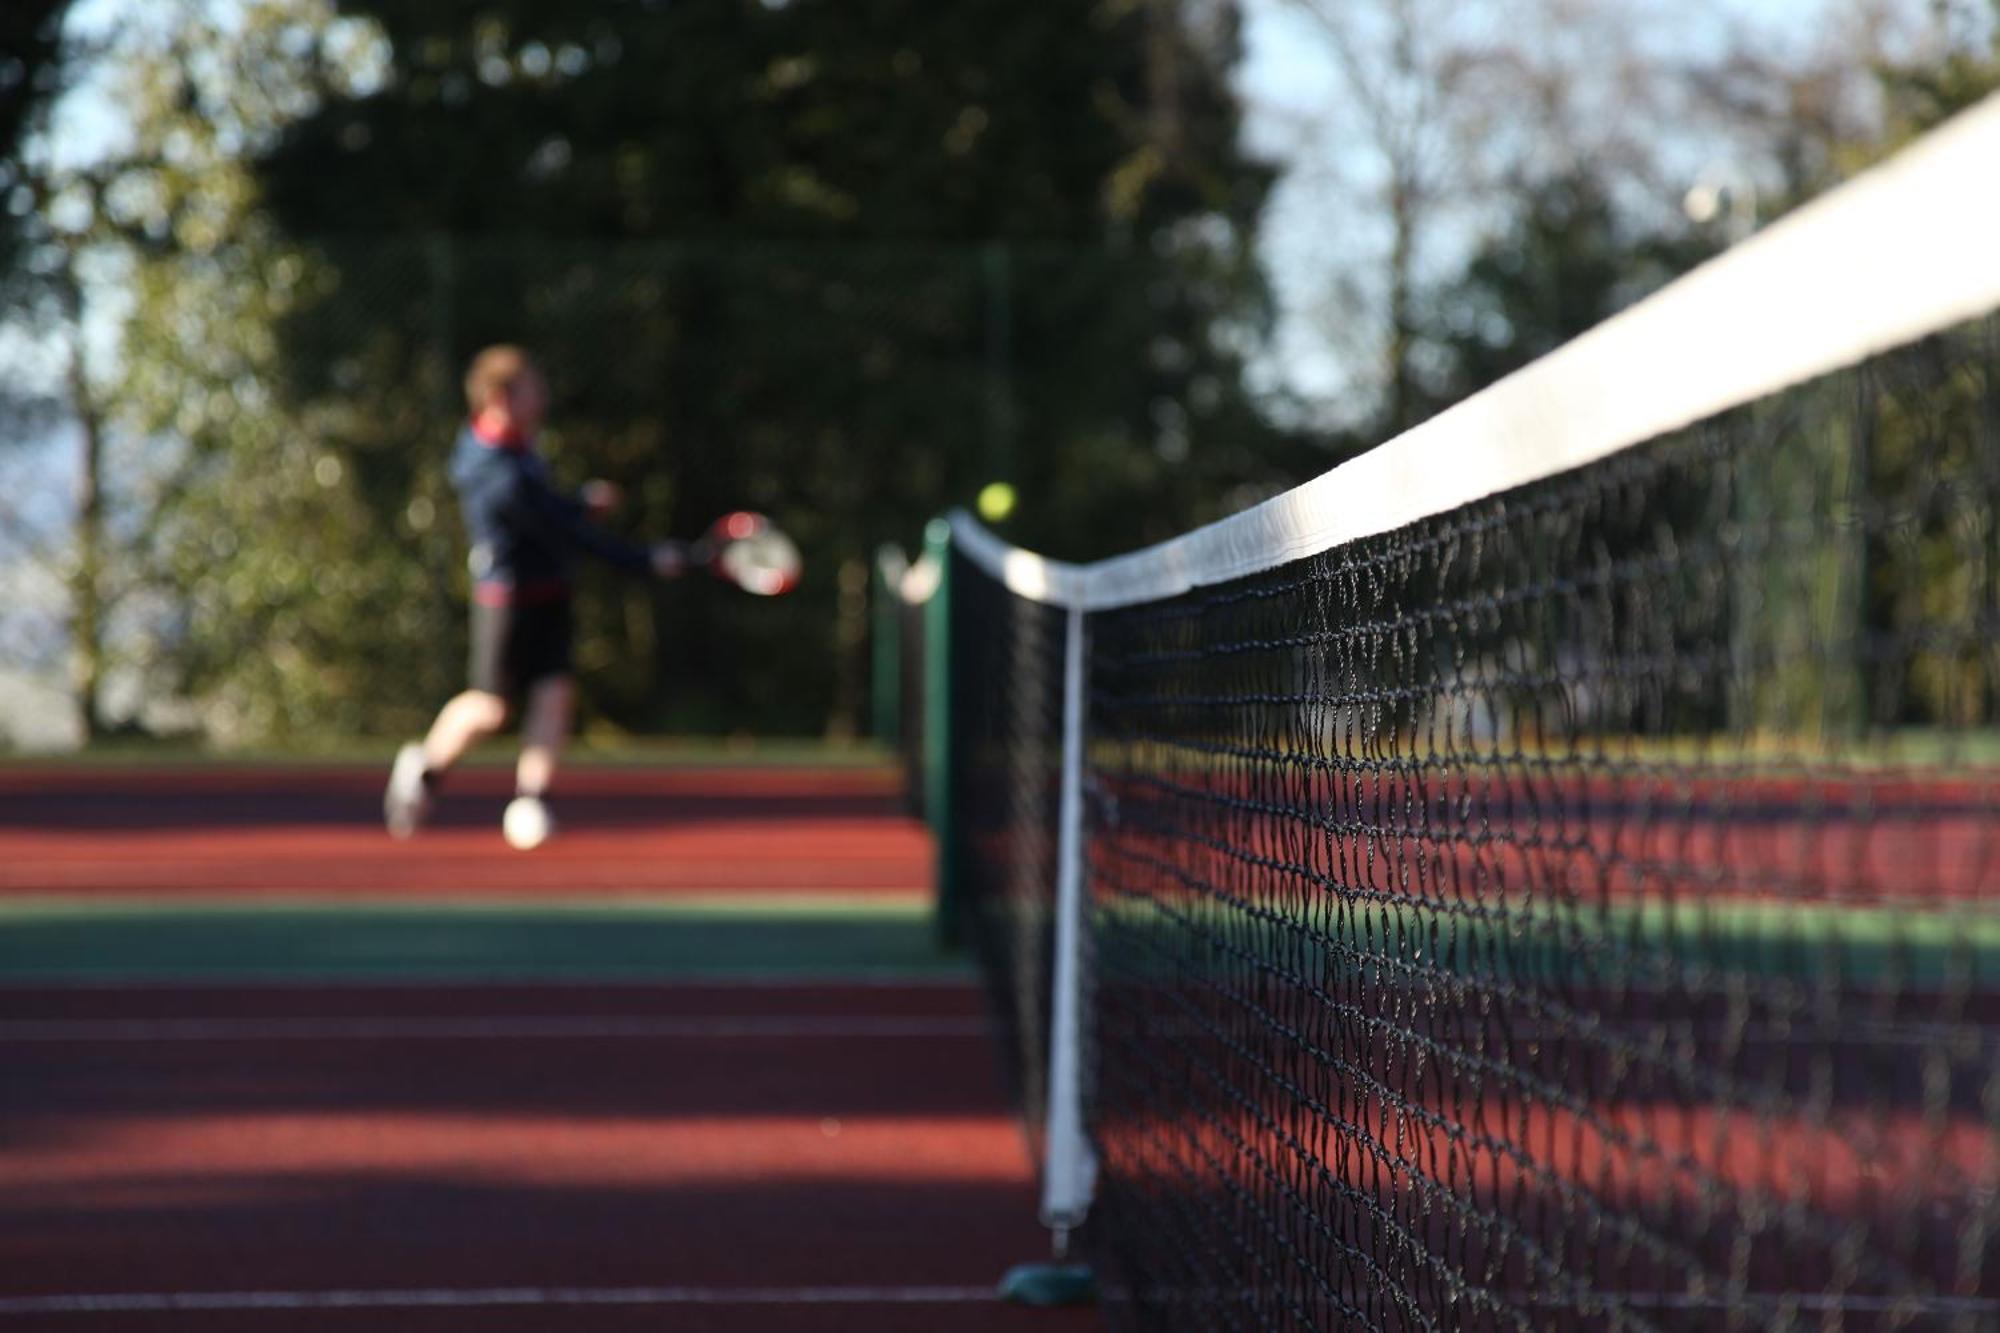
<point>938,775</point>
<point>1069,1167</point>
<point>1070,1175</point>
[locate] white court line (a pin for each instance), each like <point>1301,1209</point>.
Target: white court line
<point>475,1029</point>
<point>477,1297</point>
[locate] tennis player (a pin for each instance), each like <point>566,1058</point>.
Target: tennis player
<point>525,537</point>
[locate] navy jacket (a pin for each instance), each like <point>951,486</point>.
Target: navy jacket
<point>525,533</point>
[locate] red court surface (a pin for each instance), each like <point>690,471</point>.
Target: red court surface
<point>806,1154</point>
<point>219,828</point>
<point>571,1157</point>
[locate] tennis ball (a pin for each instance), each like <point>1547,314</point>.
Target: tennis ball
<point>996,501</point>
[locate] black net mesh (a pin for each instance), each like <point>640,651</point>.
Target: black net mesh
<point>1575,911</point>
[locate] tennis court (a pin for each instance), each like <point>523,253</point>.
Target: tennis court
<point>699,1066</point>
<point>1457,754</point>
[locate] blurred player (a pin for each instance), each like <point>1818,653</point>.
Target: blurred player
<point>525,535</point>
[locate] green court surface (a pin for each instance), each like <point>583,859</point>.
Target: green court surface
<point>55,939</point>
<point>1917,947</point>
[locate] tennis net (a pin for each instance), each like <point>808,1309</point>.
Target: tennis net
<point>1546,873</point>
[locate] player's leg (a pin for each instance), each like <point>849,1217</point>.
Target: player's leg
<point>545,729</point>
<point>542,659</point>
<point>471,715</point>
<point>469,718</point>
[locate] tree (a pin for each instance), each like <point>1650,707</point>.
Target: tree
<point>1401,66</point>
<point>30,78</point>
<point>1961,70</point>
<point>48,234</point>
<point>283,604</point>
<point>1438,118</point>
<point>1930,426</point>
<point>1563,264</point>
<point>846,260</point>
<point>1862,615</point>
<point>147,270</point>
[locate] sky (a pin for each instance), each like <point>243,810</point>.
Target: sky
<point>1311,230</point>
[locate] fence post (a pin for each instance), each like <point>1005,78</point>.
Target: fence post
<point>939,778</point>
<point>886,646</point>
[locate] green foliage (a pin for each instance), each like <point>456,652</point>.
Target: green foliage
<point>842,260</point>
<point>1923,95</point>
<point>279,607</point>
<point>1562,264</point>
<point>30,75</point>
<point>1929,93</point>
<point>1885,467</point>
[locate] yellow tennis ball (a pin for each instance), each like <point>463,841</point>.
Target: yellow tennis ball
<point>996,501</point>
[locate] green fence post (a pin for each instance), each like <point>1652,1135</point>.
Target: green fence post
<point>938,775</point>
<point>886,698</point>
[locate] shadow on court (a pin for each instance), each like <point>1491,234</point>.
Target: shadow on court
<point>772,1106</point>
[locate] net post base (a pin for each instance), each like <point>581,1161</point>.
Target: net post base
<point>1049,1285</point>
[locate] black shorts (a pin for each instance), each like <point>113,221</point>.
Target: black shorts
<point>515,646</point>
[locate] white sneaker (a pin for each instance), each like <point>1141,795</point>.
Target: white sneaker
<point>407,801</point>
<point>527,823</point>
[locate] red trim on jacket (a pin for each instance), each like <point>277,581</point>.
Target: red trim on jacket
<point>495,436</point>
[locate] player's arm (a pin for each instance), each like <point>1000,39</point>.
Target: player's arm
<point>567,520</point>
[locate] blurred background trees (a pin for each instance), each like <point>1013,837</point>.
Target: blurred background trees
<point>837,262</point>
<point>843,260</point>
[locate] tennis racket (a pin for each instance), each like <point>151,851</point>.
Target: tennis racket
<point>748,550</point>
